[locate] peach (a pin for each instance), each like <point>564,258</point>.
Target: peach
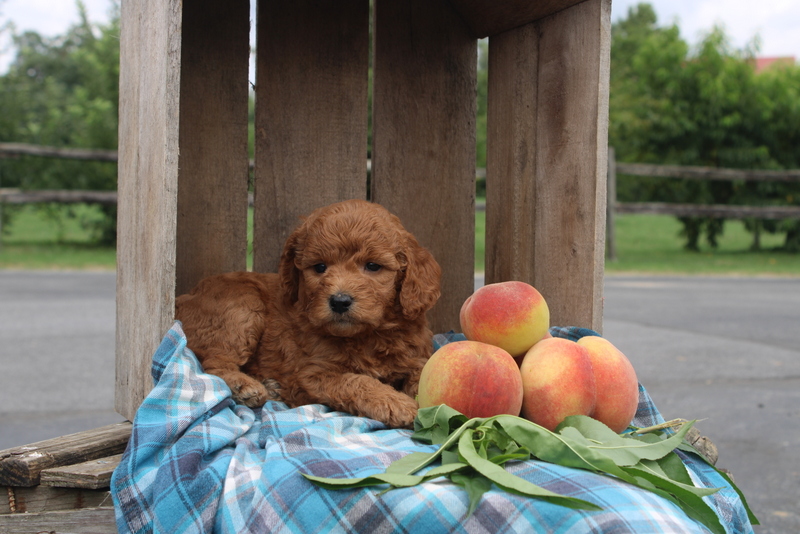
<point>615,381</point>
<point>557,381</point>
<point>509,315</point>
<point>477,379</point>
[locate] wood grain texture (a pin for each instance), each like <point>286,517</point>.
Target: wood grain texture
<point>490,17</point>
<point>555,168</point>
<point>93,474</point>
<point>99,520</point>
<point>213,166</point>
<point>424,136</point>
<point>21,466</point>
<point>46,499</point>
<point>150,56</point>
<point>158,157</point>
<point>511,185</point>
<point>311,114</point>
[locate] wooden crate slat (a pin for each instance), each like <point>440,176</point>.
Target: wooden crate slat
<point>21,466</point>
<point>424,136</point>
<point>511,156</point>
<point>213,165</point>
<point>490,17</point>
<point>93,474</point>
<point>311,114</point>
<point>147,185</point>
<point>99,520</point>
<point>47,499</point>
<point>563,152</point>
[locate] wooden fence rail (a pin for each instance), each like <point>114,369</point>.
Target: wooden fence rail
<point>727,211</point>
<point>16,196</point>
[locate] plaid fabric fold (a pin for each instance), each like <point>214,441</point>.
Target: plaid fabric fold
<point>198,462</point>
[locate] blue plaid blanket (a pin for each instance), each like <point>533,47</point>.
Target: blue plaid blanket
<point>198,462</point>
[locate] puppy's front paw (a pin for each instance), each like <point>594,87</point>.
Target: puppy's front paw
<point>247,390</point>
<point>402,413</point>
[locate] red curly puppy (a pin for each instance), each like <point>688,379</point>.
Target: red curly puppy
<point>342,323</point>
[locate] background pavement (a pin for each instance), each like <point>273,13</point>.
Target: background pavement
<point>724,350</point>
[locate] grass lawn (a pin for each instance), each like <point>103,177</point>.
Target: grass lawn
<point>645,244</point>
<point>651,244</point>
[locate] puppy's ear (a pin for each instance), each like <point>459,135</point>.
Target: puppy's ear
<point>420,289</point>
<point>287,271</point>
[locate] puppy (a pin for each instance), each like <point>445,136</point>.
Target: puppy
<point>342,323</point>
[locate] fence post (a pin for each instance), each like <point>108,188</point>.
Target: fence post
<point>611,204</point>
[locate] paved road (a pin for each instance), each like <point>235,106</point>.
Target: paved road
<point>720,349</point>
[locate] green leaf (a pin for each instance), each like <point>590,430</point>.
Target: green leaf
<point>689,498</point>
<point>475,486</point>
<point>435,424</point>
<point>411,463</point>
<point>512,483</point>
<point>623,450</point>
<point>394,479</point>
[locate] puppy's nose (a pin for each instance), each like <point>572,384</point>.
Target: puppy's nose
<point>340,302</point>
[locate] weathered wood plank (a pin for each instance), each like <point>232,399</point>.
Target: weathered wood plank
<point>213,163</point>
<point>47,499</point>
<point>511,184</point>
<point>572,148</point>
<point>710,210</point>
<point>556,166</point>
<point>21,466</point>
<point>150,55</point>
<point>706,173</point>
<point>94,474</point>
<point>311,114</point>
<point>165,143</point>
<point>424,136</point>
<point>99,520</point>
<point>489,17</point>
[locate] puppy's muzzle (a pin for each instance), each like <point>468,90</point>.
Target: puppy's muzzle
<point>340,303</point>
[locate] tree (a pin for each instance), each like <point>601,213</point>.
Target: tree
<point>674,104</point>
<point>63,91</point>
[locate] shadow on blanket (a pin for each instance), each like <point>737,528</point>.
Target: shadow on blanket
<point>198,462</point>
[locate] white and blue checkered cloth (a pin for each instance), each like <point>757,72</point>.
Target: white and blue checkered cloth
<point>198,462</point>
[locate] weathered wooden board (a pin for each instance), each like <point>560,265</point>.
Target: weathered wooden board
<point>213,165</point>
<point>99,520</point>
<point>490,17</point>
<point>424,136</point>
<point>21,466</point>
<point>48,499</point>
<point>150,155</point>
<point>546,173</point>
<point>93,474</point>
<point>311,114</point>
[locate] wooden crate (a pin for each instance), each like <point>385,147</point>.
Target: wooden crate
<point>184,169</point>
<point>183,162</point>
<point>62,484</point>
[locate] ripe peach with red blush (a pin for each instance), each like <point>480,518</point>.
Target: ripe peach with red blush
<point>510,315</point>
<point>477,379</point>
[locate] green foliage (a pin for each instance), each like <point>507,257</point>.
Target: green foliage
<point>674,104</point>
<point>63,91</point>
<point>472,454</point>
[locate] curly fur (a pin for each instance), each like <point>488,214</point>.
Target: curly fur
<point>352,335</point>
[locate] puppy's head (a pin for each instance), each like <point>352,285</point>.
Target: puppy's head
<point>353,268</point>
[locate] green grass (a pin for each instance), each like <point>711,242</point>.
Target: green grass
<point>645,244</point>
<point>34,241</point>
<point>652,244</point>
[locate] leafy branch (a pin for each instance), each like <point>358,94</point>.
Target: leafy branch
<point>472,454</point>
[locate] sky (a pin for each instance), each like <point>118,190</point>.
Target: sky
<point>777,22</point>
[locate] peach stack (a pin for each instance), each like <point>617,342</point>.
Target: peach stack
<point>511,365</point>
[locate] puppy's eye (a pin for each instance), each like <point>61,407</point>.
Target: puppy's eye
<point>320,268</point>
<point>374,267</point>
